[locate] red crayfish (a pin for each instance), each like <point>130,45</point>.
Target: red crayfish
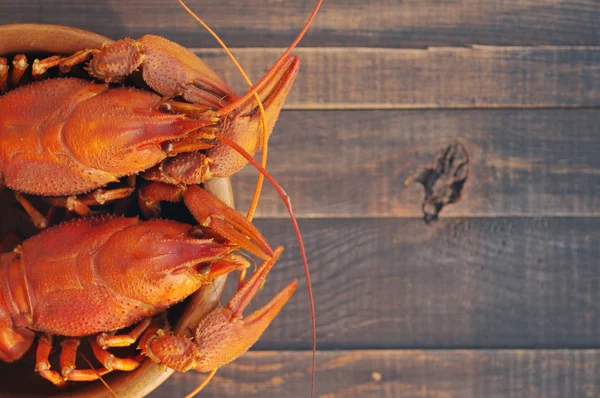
<point>99,274</point>
<point>67,138</point>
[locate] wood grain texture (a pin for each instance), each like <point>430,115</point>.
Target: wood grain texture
<point>478,77</point>
<point>354,163</point>
<point>503,292</point>
<point>396,374</point>
<point>472,283</point>
<point>378,23</point>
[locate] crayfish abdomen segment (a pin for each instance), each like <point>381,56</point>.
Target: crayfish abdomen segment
<point>15,338</point>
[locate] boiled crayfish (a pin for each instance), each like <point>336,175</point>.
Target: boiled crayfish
<point>99,274</point>
<point>68,136</point>
<point>65,137</point>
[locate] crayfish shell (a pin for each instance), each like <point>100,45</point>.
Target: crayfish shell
<point>19,379</point>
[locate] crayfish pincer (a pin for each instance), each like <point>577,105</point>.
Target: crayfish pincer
<point>218,336</point>
<point>95,275</point>
<point>167,67</point>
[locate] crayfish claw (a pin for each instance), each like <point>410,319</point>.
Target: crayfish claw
<point>223,334</point>
<point>193,78</point>
<point>245,127</point>
<point>211,212</point>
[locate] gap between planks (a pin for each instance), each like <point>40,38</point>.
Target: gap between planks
<point>383,23</point>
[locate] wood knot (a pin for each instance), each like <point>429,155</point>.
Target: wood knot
<point>443,180</point>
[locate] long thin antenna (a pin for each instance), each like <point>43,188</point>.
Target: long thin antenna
<point>263,172</point>
<point>288,205</point>
<point>207,379</point>
<point>245,97</point>
<point>114,394</point>
<point>263,116</point>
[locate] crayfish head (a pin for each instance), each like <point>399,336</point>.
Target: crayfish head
<point>122,131</point>
<point>158,263</point>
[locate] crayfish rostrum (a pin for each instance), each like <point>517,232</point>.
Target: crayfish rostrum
<point>83,127</point>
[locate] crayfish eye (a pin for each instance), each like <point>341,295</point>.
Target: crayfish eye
<point>196,233</point>
<point>167,147</point>
<point>204,269</point>
<point>165,107</point>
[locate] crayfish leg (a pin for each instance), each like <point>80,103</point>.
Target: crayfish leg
<point>37,218</point>
<point>209,211</point>
<point>20,65</point>
<point>42,361</point>
<point>69,370</point>
<point>193,79</point>
<point>186,168</point>
<point>68,358</point>
<point>80,204</point>
<point>151,194</point>
<point>223,334</point>
<point>40,67</point>
<point>111,362</point>
<point>105,340</point>
<point>245,127</point>
<point>79,57</point>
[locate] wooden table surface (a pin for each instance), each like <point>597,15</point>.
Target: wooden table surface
<point>500,297</point>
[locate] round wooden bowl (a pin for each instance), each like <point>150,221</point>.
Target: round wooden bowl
<point>19,378</point>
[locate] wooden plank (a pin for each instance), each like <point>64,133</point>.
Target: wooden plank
<point>431,374</point>
<point>376,23</point>
<point>398,283</point>
<point>354,163</point>
<point>478,77</point>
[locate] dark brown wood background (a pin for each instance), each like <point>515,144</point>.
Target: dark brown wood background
<point>500,297</point>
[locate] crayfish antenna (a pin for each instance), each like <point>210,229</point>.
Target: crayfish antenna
<point>253,90</point>
<point>204,383</point>
<point>263,116</point>
<point>288,204</point>
<point>110,390</point>
<point>265,140</point>
<point>262,167</point>
<point>280,60</point>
